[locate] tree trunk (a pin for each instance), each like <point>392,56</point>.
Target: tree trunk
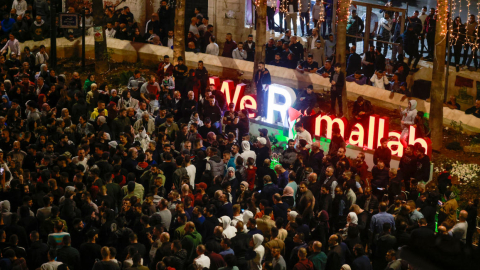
<point>342,13</point>
<point>438,79</point>
<point>260,37</point>
<point>179,32</point>
<point>53,36</point>
<point>101,56</point>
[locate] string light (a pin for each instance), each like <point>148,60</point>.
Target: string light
<point>322,13</point>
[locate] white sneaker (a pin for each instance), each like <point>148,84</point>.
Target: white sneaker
<point>258,118</point>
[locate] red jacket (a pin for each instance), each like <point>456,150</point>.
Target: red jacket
<point>305,264</point>
<point>161,72</point>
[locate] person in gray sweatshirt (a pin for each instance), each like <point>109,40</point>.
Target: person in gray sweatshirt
<point>42,10</point>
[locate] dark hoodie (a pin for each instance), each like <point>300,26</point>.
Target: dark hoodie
<point>178,259</point>
<point>39,31</point>
<point>190,243</point>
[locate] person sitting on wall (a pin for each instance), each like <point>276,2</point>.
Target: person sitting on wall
<point>357,77</point>
<point>475,110</point>
<point>306,100</point>
<point>278,62</point>
<point>308,66</point>
<point>326,70</point>
<point>379,79</point>
<point>362,109</point>
<point>452,103</point>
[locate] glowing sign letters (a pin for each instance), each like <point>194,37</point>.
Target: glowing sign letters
<point>274,103</point>
<point>378,127</point>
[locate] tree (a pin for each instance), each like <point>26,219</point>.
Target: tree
<point>260,37</point>
<point>101,58</point>
<point>342,12</point>
<point>179,31</point>
<point>438,78</point>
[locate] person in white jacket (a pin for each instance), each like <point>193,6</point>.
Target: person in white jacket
<point>247,153</point>
<point>256,243</point>
<point>239,52</point>
<point>212,48</point>
<point>408,118</point>
<point>379,79</point>
<point>228,230</point>
<point>20,6</point>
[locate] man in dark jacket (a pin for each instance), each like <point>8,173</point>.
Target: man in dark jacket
<point>37,253</point>
<point>383,153</point>
<point>229,46</point>
<point>20,29</point>
<point>306,100</point>
<point>214,113</point>
<point>69,255</point>
<point>354,27</point>
<point>337,79</point>
<point>262,82</point>
<point>410,45</point>
<point>354,61</point>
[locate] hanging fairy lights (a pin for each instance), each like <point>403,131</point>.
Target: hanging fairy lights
<point>321,14</point>
<point>442,16</point>
<point>453,38</point>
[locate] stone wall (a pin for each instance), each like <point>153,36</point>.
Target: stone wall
<point>126,51</point>
<point>425,73</point>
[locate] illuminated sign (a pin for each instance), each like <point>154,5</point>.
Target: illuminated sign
<point>280,99</point>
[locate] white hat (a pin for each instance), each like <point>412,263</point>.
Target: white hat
<point>262,140</point>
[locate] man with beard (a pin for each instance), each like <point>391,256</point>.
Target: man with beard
<point>165,67</point>
<point>407,165</point>
<point>289,155</point>
<point>383,153</point>
<point>214,113</point>
<point>168,40</point>
<point>249,46</point>
<point>13,65</point>
<point>20,29</point>
<point>329,181</point>
<point>340,206</point>
<point>75,82</point>
<point>202,75</point>
<point>262,82</point>
<point>305,200</point>
<point>180,73</point>
<point>119,123</point>
<point>188,107</point>
<point>39,29</point>
<point>422,172</point>
<point>164,13</point>
<point>17,153</point>
<point>341,157</point>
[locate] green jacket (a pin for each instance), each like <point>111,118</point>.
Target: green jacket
<point>189,243</point>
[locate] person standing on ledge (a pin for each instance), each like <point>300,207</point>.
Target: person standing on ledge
<point>262,82</point>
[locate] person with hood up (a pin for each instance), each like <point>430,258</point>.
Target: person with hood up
<point>33,114</point>
<point>143,138</point>
<point>247,214</point>
<point>408,118</point>
<point>194,118</point>
<point>6,103</point>
<point>256,261</point>
<point>232,180</point>
<point>6,214</point>
<point>247,153</point>
<point>228,230</point>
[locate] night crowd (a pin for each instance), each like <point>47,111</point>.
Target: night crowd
<point>167,174</point>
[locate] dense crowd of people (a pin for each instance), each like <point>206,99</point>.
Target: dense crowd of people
<point>166,175</point>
